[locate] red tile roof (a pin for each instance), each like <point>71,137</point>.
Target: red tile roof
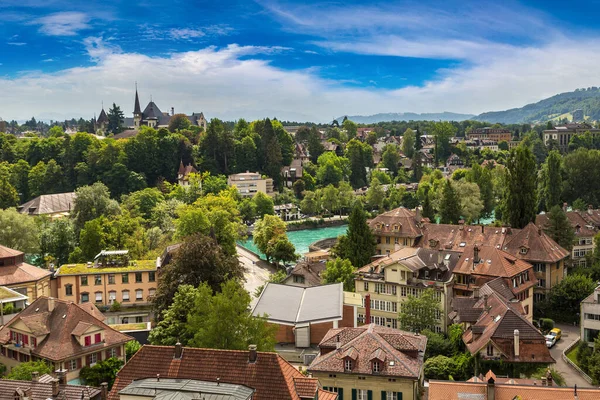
<point>408,226</point>
<point>402,351</point>
<point>492,263</point>
<point>59,324</point>
<point>7,252</point>
<point>43,390</point>
<point>582,227</point>
<point>271,376</point>
<point>538,245</point>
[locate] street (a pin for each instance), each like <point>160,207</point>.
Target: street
<point>570,334</point>
<point>257,271</point>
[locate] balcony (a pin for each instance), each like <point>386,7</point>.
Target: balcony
<point>19,348</point>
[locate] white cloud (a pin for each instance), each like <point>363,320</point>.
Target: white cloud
<point>48,60</point>
<point>67,23</point>
<point>16,43</point>
<point>195,33</point>
<point>220,83</point>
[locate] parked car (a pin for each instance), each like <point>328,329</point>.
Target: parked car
<point>552,337</point>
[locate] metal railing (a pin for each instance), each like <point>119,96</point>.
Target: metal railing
<point>572,364</point>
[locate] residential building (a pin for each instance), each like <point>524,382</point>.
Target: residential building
<point>268,374</point>
<point>102,122</point>
<point>305,314</point>
<point>21,277</point>
<point>481,264</point>
<point>396,229</point>
<point>318,255</point>
<point>292,172</point>
<point>52,205</point>
<point>562,134</point>
<point>110,278</point>
<point>287,212</point>
<point>183,174</point>
<point>492,388</point>
<point>66,335</point>
<point>46,387</point>
<point>10,300</point>
<point>370,362</point>
<point>306,274</point>
<point>146,388</point>
<point>533,245</point>
<point>249,183</point>
<point>153,117</point>
<point>497,327</point>
<point>584,236</point>
<point>590,317</point>
<point>387,282</point>
<point>493,134</point>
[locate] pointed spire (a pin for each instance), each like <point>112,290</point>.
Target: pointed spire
<point>137,110</point>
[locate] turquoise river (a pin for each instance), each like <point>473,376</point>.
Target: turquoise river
<point>302,239</point>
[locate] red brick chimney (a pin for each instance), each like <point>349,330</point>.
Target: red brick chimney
<point>368,309</point>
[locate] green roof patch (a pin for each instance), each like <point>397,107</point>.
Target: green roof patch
<point>78,269</point>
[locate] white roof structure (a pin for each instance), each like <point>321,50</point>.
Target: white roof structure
<point>292,305</point>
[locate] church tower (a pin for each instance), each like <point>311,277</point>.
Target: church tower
<point>137,111</point>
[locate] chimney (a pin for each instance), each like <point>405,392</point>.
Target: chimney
<point>440,259</point>
<point>252,356</point>
<point>565,207</point>
<point>516,343</point>
<point>157,377</point>
<point>461,224</point>
<point>368,309</point>
<point>103,391</point>
<point>178,351</point>
<point>590,208</point>
<point>55,387</point>
<point>485,299</point>
<point>418,214</point>
<point>51,303</point>
<point>491,389</point>
<point>475,292</point>
<point>475,255</point>
<point>482,229</point>
<point>549,377</point>
<point>35,376</point>
<point>61,374</point>
<point>338,343</point>
<point>172,111</point>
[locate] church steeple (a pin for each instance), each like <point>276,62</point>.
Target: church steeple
<point>137,110</point>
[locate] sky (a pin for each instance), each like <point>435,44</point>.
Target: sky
<point>292,60</point>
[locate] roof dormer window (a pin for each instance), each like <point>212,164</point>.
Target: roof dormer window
<point>376,367</point>
<point>523,250</point>
<point>348,365</point>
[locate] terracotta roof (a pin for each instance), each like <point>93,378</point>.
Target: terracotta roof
<point>402,351</point>
<point>59,325</point>
<point>43,390</point>
<point>405,219</point>
<point>452,390</point>
<point>14,274</point>
<point>540,247</point>
<point>310,271</point>
<point>49,204</point>
<point>497,325</point>
<point>306,387</point>
<point>271,376</point>
<point>580,225</point>
<point>459,237</point>
<point>5,252</point>
<point>492,263</point>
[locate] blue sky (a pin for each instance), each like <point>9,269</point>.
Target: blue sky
<point>297,60</point>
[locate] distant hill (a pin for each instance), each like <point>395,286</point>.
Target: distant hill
<point>385,117</point>
<point>552,108</point>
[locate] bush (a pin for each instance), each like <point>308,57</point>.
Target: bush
<point>9,309</point>
<point>546,324</point>
<point>116,306</point>
<point>437,345</point>
<point>22,372</point>
<point>131,348</point>
<point>440,367</point>
<point>584,352</point>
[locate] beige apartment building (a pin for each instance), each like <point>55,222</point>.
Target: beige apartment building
<point>21,277</point>
<point>111,278</point>
<point>590,317</point>
<point>249,183</point>
<point>396,229</point>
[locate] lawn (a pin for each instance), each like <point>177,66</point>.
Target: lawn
<point>572,355</point>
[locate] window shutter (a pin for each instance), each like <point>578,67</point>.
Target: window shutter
<point>88,360</point>
<point>370,395</point>
<point>99,356</point>
<point>353,394</point>
<point>79,363</point>
<point>119,351</point>
<point>340,394</point>
<point>383,395</point>
<point>399,395</point>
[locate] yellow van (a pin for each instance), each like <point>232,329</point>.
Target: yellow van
<point>556,332</point>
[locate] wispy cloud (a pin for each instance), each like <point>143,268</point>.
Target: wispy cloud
<point>195,33</point>
<point>67,23</point>
<point>16,43</point>
<point>48,60</point>
<point>98,48</point>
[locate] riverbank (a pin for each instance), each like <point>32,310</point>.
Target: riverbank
<point>314,223</point>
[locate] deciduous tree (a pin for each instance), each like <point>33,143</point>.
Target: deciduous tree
<point>420,313</point>
<point>339,271</point>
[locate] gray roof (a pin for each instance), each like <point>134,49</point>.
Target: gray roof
<point>49,204</point>
<point>186,389</point>
<point>294,305</point>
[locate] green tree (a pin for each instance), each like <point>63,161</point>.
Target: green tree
<point>408,143</point>
<point>339,271</point>
<point>428,211</point>
<point>264,204</point>
<point>19,231</point>
<point>198,259</point>
<point>375,194</point>
<point>8,193</point>
<point>391,158</point>
<point>559,228</point>
<point>22,372</point>
<point>267,233</point>
<point>351,128</point>
<point>358,245</point>
<point>442,132</point>
<point>131,348</point>
<point>143,202</point>
<point>247,210</point>
<point>315,147</point>
<point>580,205</point>
<point>439,367</point>
<point>331,169</point>
<point>58,240</point>
<point>329,198</point>
<point>102,371</point>
<point>172,325</point>
<point>420,313</point>
<point>310,203</point>
<point>179,122</point>
<point>449,205</point>
<point>272,153</point>
<point>470,202</point>
<point>503,145</point>
<point>282,250</point>
<point>115,119</point>
<point>552,180</point>
<point>245,155</point>
<point>92,202</point>
<point>520,202</point>
<point>567,295</point>
<point>226,322</point>
<point>360,157</point>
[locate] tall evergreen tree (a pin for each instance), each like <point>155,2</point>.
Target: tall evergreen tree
<point>315,148</point>
<point>358,245</point>
<point>115,119</point>
<point>272,153</point>
<point>428,211</point>
<point>552,180</point>
<point>417,167</point>
<point>520,202</point>
<point>449,205</point>
<point>359,154</point>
